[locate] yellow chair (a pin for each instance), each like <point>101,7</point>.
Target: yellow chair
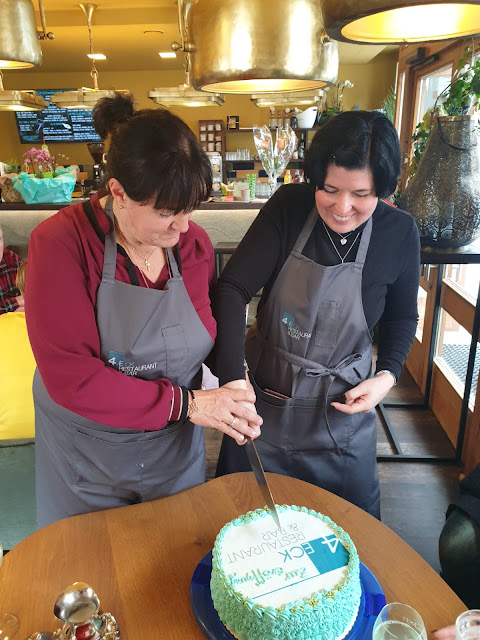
<point>17,366</point>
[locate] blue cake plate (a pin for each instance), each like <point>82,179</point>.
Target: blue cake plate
<point>371,603</point>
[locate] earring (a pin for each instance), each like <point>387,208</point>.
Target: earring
<point>121,206</point>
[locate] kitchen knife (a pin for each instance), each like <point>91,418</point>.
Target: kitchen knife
<point>259,474</point>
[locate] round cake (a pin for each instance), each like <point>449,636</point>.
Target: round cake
<point>300,582</point>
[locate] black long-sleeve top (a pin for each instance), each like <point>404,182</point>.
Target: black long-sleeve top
<point>389,282</point>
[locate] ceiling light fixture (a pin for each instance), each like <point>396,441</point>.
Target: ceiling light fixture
<point>295,98</point>
<point>19,39</point>
<point>85,98</point>
<point>167,54</point>
<point>259,47</point>
<point>13,100</point>
<point>96,56</point>
<point>184,95</point>
<point>400,21</point>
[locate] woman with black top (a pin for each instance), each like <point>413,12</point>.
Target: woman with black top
<point>334,260</point>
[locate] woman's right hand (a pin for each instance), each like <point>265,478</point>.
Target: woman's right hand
<point>224,409</point>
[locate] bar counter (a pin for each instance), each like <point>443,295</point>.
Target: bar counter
<point>223,221</point>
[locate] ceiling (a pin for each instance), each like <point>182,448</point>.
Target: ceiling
<point>118,29</point>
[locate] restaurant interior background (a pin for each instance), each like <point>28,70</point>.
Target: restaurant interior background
<point>131,34</point>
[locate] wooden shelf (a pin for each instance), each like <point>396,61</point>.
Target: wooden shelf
<point>251,130</point>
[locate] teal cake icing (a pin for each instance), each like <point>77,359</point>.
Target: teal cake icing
<point>322,613</point>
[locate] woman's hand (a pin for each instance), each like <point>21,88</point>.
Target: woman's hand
<point>365,396</point>
<point>230,410</point>
<point>447,633</point>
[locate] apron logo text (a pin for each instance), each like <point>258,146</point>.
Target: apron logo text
<point>117,360</point>
<point>294,330</point>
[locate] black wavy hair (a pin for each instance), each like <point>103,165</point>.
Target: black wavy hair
<point>356,140</point>
<point>153,154</point>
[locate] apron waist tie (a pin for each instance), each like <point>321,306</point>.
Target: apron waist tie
<point>342,371</point>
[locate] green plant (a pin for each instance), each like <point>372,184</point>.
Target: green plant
<point>463,96</point>
<point>12,166</point>
<point>388,104</point>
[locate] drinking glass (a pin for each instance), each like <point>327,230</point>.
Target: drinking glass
<point>8,622</point>
<point>398,621</point>
<point>468,625</point>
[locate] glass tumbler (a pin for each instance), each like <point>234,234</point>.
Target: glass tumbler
<point>397,621</point>
<point>467,625</point>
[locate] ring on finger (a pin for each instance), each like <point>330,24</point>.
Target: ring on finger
<point>232,423</point>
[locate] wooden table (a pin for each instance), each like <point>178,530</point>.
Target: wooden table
<point>140,559</point>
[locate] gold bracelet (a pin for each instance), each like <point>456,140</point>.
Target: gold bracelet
<point>192,405</point>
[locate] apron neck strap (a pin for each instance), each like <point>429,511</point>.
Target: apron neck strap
<point>364,242</point>
<point>307,230</point>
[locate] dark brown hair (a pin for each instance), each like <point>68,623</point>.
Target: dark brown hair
<point>153,154</point>
<point>356,140</point>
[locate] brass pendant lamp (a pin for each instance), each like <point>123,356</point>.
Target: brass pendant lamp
<point>259,46</point>
<point>293,99</point>
<point>13,100</point>
<point>400,22</point>
<point>19,44</point>
<point>85,98</point>
<point>184,95</point>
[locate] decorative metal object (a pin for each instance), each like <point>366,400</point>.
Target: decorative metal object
<point>253,46</point>
<point>184,95</point>
<point>85,98</point>
<point>14,100</point>
<point>444,194</point>
<point>400,21</point>
<point>19,45</point>
<point>78,607</point>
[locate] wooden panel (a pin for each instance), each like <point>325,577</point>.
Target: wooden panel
<point>455,303</point>
<point>445,400</point>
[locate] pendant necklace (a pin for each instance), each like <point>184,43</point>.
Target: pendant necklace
<point>344,237</point>
<point>146,260</point>
<point>342,241</point>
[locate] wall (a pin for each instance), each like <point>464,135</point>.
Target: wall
<point>372,82</point>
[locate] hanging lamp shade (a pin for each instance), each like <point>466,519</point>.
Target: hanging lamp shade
<point>14,100</point>
<point>397,22</point>
<point>295,98</point>
<point>19,44</point>
<point>185,97</point>
<point>259,46</point>
<point>85,98</point>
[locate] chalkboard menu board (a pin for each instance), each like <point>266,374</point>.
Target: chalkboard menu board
<point>54,124</point>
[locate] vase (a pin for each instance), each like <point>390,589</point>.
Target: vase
<point>444,194</point>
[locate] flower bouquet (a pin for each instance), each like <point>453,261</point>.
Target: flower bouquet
<point>43,181</point>
<point>274,156</point>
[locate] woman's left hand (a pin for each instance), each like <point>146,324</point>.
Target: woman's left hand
<point>365,396</point>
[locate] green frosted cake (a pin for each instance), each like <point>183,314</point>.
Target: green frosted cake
<point>301,582</point>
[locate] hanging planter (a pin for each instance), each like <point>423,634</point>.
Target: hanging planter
<point>444,194</point>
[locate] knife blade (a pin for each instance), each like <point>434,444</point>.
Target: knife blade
<point>259,474</point>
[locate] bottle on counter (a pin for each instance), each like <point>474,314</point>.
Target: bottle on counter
<point>293,120</point>
<point>279,118</point>
<point>301,147</point>
<point>272,122</point>
<point>287,177</point>
<point>296,177</point>
<point>286,119</point>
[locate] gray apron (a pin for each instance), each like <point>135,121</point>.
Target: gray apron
<point>309,345</point>
<point>84,466</point>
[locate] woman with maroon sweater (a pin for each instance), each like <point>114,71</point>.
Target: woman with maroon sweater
<point>120,322</point>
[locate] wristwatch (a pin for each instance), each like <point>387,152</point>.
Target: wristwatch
<point>387,371</point>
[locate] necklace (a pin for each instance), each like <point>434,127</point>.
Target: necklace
<point>333,244</point>
<point>344,236</point>
<point>146,260</point>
